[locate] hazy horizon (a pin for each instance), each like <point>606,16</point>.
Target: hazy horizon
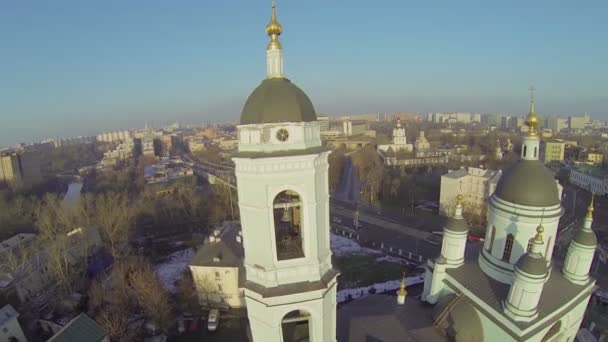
<point>71,68</point>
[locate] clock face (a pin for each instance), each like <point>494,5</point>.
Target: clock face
<point>282,135</point>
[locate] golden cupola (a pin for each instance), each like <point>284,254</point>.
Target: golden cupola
<point>532,121</point>
<point>274,29</point>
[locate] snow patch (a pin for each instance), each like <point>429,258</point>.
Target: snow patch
<point>343,246</point>
<point>172,269</point>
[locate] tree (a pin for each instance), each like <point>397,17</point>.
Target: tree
<point>113,215</point>
<point>370,169</point>
<point>336,161</point>
<point>115,322</point>
<point>150,295</point>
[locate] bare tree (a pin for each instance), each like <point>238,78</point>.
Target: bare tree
<point>150,295</point>
<point>115,218</point>
<point>115,322</point>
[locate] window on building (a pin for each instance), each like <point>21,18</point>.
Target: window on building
<point>535,152</point>
<point>491,237</point>
<point>288,225</point>
<point>296,326</point>
<point>219,288</point>
<point>217,274</point>
<point>506,254</point>
<point>525,150</point>
<point>530,244</point>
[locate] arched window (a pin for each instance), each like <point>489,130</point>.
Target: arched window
<point>296,326</point>
<point>506,254</point>
<point>530,243</point>
<point>288,225</point>
<point>535,152</point>
<point>525,150</point>
<point>491,238</point>
<point>553,331</point>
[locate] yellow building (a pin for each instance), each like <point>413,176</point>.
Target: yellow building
<point>217,268</point>
<point>552,151</point>
<point>9,168</point>
<point>595,158</point>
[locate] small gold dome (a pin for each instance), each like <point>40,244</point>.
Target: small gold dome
<point>539,233</point>
<point>532,121</point>
<point>274,27</point>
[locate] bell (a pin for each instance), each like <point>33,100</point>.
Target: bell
<point>286,216</point>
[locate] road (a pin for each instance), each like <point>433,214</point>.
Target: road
<point>378,231</point>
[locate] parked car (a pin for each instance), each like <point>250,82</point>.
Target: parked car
<point>475,238</point>
<point>213,320</point>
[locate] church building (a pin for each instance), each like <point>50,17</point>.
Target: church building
<point>511,290</point>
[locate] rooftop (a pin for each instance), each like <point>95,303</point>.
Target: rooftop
<point>221,250</point>
<point>591,170</point>
<point>380,318</point>
<point>81,328</point>
<point>14,241</point>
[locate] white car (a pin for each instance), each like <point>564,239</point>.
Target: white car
<point>213,320</point>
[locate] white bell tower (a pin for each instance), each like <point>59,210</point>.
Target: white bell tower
<point>282,178</point>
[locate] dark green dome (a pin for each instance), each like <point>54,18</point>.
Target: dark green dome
<point>528,182</point>
<point>532,265</point>
<point>456,225</point>
<point>585,237</point>
<point>277,100</point>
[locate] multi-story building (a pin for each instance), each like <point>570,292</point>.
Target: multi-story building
<point>23,167</point>
<point>462,118</point>
<point>121,153</point>
<point>556,124</point>
<point>116,136</point>
<point>354,127</point>
<point>474,184</point>
<point>218,270</point>
<point>590,178</point>
<point>552,150</point>
<point>578,122</point>
<point>595,158</point>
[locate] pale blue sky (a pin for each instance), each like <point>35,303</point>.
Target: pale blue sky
<point>70,67</point>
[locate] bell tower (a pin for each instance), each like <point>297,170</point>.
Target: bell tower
<point>282,177</point>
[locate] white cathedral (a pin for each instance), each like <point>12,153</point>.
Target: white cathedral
<point>509,291</point>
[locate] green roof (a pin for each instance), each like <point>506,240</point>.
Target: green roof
<point>456,225</point>
<point>532,265</point>
<point>585,237</point>
<point>82,328</point>
<point>277,100</point>
<point>528,182</point>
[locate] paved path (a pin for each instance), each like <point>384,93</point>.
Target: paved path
<point>377,221</point>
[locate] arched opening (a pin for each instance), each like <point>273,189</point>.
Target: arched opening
<point>525,150</point>
<point>535,151</point>
<point>296,326</point>
<point>287,210</point>
<point>530,242</point>
<point>553,331</point>
<point>506,254</point>
<point>491,238</point>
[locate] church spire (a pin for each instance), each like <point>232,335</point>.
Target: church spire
<point>274,51</point>
<point>402,293</point>
<point>532,120</point>
<point>531,143</point>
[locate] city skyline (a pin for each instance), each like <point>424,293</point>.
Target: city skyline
<point>81,69</point>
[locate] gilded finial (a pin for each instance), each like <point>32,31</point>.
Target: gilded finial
<point>532,121</point>
<point>274,29</point>
<point>459,201</point>
<point>590,208</point>
<point>539,233</point>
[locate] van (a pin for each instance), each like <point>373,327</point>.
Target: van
<point>213,320</point>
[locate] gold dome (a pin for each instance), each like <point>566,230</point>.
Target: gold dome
<point>274,28</point>
<point>532,121</point>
